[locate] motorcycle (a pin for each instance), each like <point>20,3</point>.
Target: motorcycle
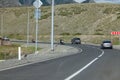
<point>62,42</point>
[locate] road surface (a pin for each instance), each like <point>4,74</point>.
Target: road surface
<point>91,63</point>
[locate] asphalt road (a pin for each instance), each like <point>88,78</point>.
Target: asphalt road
<point>90,64</point>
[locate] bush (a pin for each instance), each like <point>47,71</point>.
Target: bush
<point>1,56</point>
<point>77,34</point>
<point>108,11</point>
<point>9,52</point>
<point>78,10</point>
<point>97,33</point>
<point>65,34</point>
<point>111,10</point>
<point>118,17</point>
<point>65,13</point>
<point>7,55</point>
<point>115,40</point>
<point>70,11</point>
<point>17,36</point>
<point>99,30</point>
<point>46,16</point>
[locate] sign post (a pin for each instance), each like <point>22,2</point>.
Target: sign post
<point>116,33</point>
<point>19,53</point>
<point>28,27</point>
<point>37,4</point>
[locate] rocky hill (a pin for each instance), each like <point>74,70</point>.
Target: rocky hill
<point>88,1</point>
<point>6,3</point>
<point>9,3</point>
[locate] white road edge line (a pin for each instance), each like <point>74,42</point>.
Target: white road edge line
<point>30,63</point>
<point>81,50</point>
<point>80,70</point>
<point>23,65</point>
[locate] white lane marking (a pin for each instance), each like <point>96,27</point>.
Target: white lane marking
<point>101,54</point>
<point>80,70</point>
<point>2,60</point>
<point>21,65</point>
<point>81,50</point>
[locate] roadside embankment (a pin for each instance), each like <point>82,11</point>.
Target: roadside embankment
<point>43,55</point>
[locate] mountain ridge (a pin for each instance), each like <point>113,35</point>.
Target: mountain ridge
<point>13,3</point>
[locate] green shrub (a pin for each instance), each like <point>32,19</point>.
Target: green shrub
<point>97,33</point>
<point>78,10</point>
<point>7,55</point>
<point>46,16</point>
<point>18,11</point>
<point>77,34</point>
<point>17,36</point>
<point>111,10</point>
<point>11,51</point>
<point>115,41</point>
<point>65,13</point>
<point>1,56</point>
<point>65,34</point>
<point>117,9</point>
<point>118,17</point>
<point>108,11</point>
<point>99,30</point>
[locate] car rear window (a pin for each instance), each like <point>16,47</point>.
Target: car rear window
<point>77,38</point>
<point>106,41</point>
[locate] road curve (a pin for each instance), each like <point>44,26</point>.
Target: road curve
<point>91,60</point>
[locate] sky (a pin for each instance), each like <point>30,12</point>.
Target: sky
<point>102,1</point>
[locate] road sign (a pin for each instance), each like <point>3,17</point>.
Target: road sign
<point>37,4</point>
<point>37,13</point>
<point>115,33</point>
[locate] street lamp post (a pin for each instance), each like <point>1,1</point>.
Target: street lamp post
<point>37,4</point>
<point>52,27</point>
<point>28,29</point>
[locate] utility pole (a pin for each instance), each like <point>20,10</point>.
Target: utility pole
<point>52,27</point>
<point>28,26</point>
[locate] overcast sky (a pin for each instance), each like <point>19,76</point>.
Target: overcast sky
<point>102,1</point>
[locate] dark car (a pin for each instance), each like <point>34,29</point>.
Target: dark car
<point>76,41</point>
<point>107,44</point>
<point>6,39</point>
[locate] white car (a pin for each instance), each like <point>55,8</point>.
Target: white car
<point>107,44</point>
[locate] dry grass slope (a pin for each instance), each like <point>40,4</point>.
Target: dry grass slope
<point>70,19</point>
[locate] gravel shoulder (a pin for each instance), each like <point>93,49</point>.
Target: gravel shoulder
<point>43,55</point>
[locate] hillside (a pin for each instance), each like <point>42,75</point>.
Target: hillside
<point>13,3</point>
<point>70,19</point>
<point>6,3</point>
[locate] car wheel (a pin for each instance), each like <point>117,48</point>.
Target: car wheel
<point>111,48</point>
<point>102,47</point>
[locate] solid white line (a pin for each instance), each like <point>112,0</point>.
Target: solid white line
<point>80,70</point>
<point>81,50</point>
<point>2,60</point>
<point>25,64</point>
<point>101,54</point>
